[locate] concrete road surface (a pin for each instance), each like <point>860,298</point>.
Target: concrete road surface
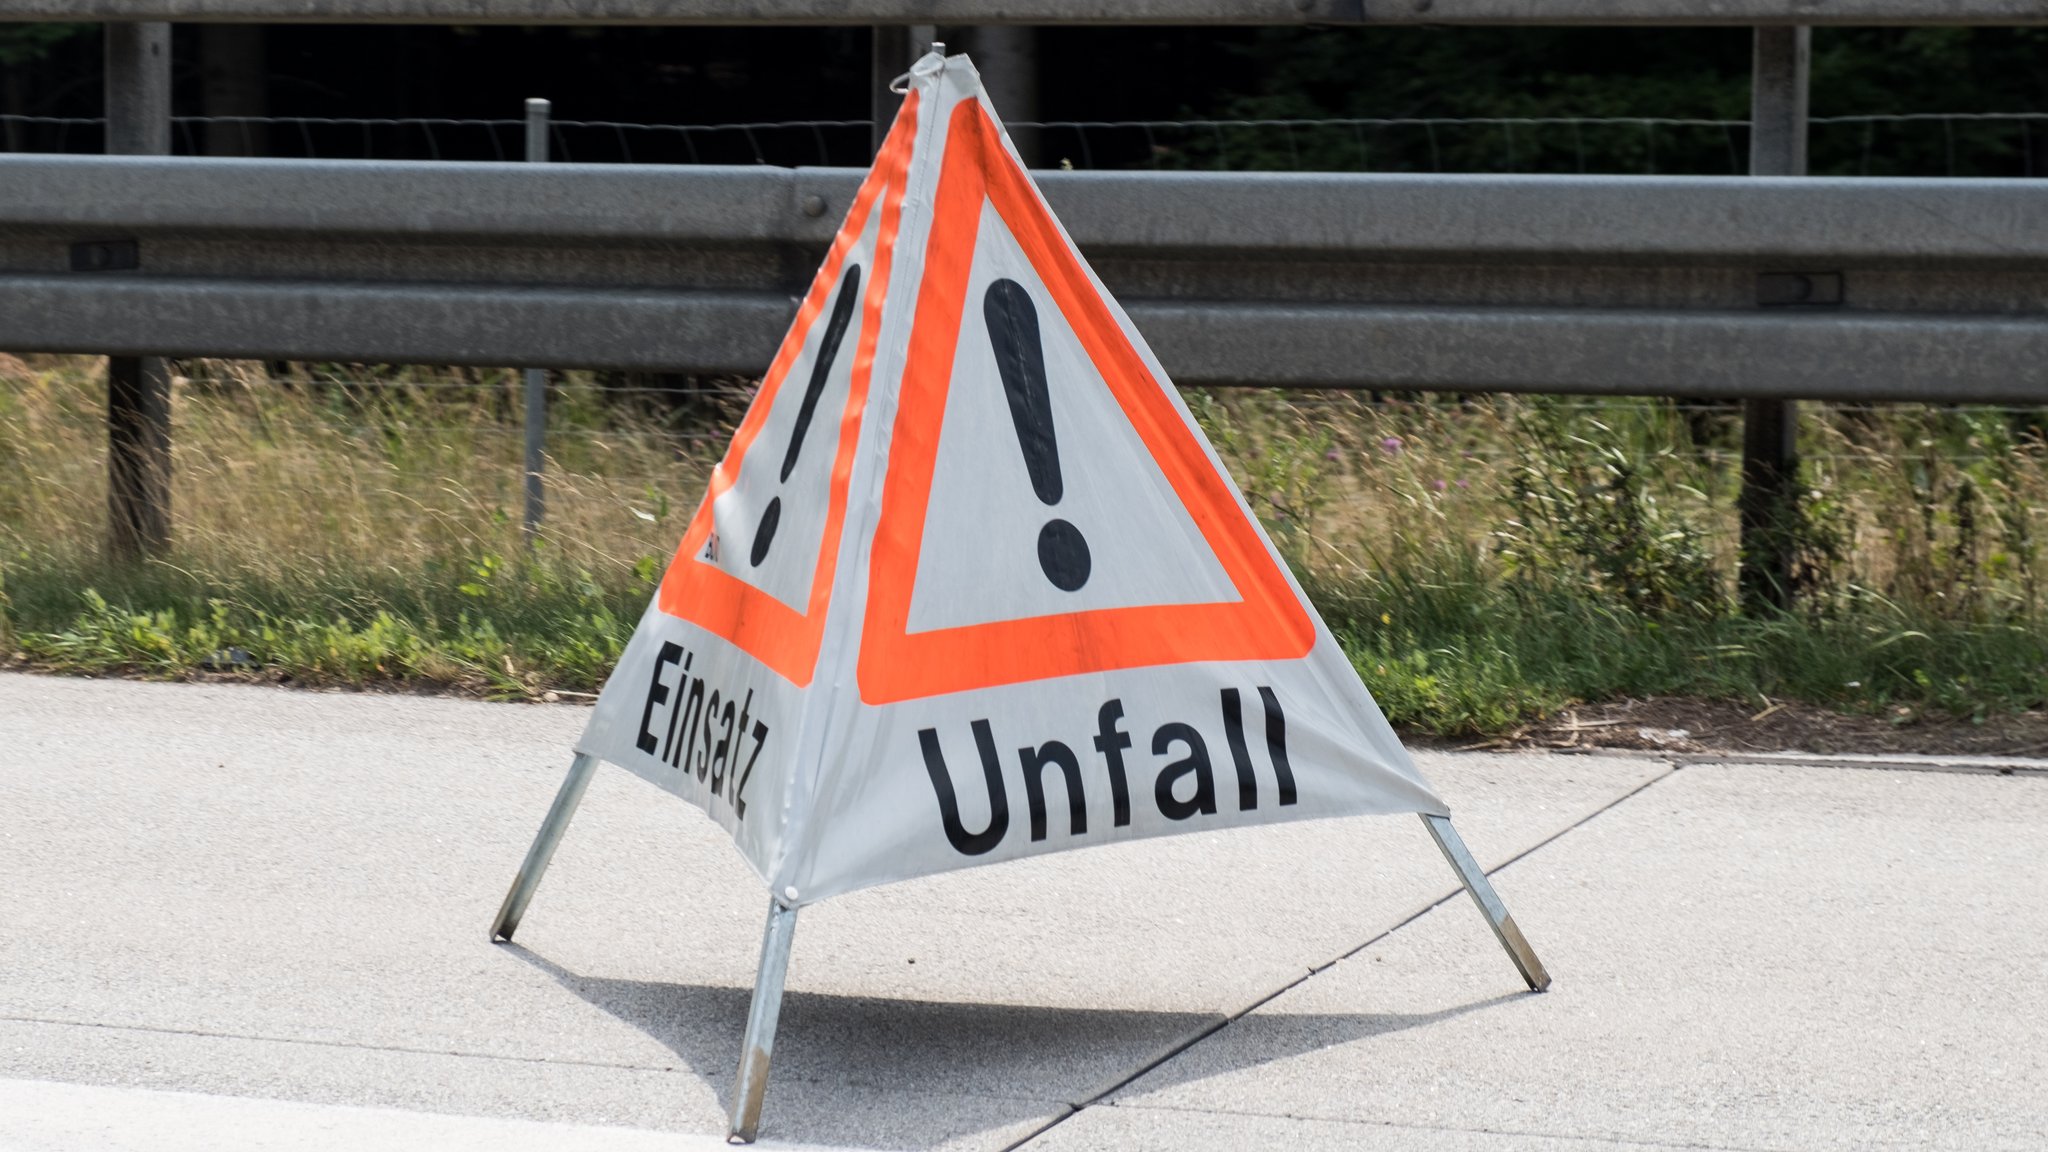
<point>248,917</point>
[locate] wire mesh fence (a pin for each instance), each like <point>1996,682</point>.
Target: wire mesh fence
<point>2000,144</point>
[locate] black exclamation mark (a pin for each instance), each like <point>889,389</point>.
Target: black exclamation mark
<point>828,350</point>
<point>1020,358</point>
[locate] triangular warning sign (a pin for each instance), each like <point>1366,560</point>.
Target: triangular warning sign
<point>1024,379</point>
<point>756,564</point>
<point>970,585</point>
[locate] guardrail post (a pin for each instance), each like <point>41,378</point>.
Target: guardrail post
<point>536,406</point>
<point>1768,504</point>
<point>138,107</point>
<point>893,49</point>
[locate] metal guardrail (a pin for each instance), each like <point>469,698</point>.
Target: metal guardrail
<point>1916,310</point>
<point>1026,12</point>
<point>1999,144</point>
<point>1843,289</point>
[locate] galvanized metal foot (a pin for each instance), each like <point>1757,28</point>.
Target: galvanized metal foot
<point>752,1081</point>
<point>581,769</point>
<point>1481,889</point>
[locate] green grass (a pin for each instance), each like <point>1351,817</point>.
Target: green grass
<point>1452,658</point>
<point>1443,657</point>
<point>505,631</point>
<point>1485,563</point>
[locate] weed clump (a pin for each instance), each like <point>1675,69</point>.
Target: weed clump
<point>1585,511</point>
<point>1491,561</point>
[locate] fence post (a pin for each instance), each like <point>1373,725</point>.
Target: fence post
<point>138,109</point>
<point>235,86</point>
<point>893,48</point>
<point>1007,57</point>
<point>536,407</point>
<point>1768,504</point>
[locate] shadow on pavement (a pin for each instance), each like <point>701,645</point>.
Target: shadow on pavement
<point>846,1067</point>
<point>1264,1038</point>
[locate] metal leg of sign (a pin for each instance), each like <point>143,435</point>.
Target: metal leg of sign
<point>752,1081</point>
<point>1453,847</point>
<point>581,769</point>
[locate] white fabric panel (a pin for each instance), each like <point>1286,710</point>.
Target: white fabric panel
<point>842,794</point>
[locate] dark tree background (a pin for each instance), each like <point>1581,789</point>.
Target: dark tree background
<point>727,76</point>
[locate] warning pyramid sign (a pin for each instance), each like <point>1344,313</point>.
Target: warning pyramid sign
<point>969,584</point>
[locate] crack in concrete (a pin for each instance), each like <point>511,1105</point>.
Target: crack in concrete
<point>1176,1050</point>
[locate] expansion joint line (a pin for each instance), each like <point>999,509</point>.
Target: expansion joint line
<point>1672,767</point>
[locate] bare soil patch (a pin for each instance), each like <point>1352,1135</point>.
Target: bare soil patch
<point>1691,725</point>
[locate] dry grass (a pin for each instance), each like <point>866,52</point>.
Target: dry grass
<point>1939,509</point>
<point>292,478</point>
<point>1486,561</point>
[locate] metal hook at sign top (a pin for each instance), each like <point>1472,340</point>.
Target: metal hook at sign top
<point>901,84</point>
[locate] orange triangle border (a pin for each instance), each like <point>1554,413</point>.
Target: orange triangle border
<point>1269,623</point>
<point>779,636</point>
